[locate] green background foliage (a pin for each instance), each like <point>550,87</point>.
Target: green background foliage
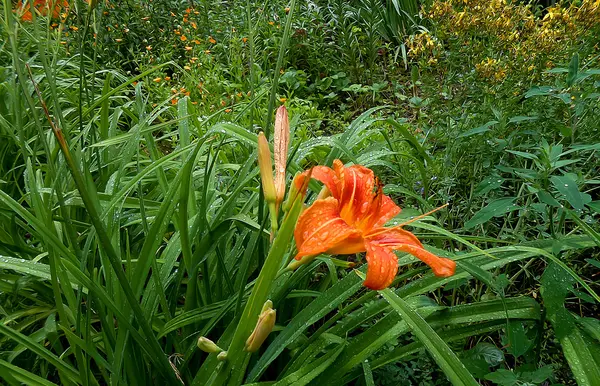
<point>132,220</point>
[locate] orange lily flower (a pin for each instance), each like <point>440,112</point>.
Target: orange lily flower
<point>348,218</point>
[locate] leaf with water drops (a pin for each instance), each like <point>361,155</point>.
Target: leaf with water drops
<point>567,186</point>
<point>494,209</point>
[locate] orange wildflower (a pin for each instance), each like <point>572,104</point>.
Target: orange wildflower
<point>350,220</point>
<point>42,7</point>
<point>212,40</point>
<point>183,38</point>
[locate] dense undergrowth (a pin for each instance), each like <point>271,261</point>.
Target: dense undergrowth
<point>132,223</point>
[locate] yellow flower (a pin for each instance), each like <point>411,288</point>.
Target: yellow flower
<point>157,80</point>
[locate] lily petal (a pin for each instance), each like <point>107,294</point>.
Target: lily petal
<point>402,240</point>
<point>320,228</point>
<point>357,195</point>
<point>387,211</point>
<point>390,237</point>
<point>329,178</point>
<point>382,268</point>
<point>440,266</point>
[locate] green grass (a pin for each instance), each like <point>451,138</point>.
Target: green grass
<point>132,220</point>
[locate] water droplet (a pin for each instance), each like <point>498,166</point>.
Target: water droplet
<point>364,207</point>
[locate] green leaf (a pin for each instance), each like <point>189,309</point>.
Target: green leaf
<point>573,70</point>
<point>503,377</point>
<point>490,183</point>
<point>314,311</point>
<point>495,208</point>
<point>66,369</point>
<point>478,130</point>
<point>14,373</point>
<point>309,372</point>
<point>454,369</point>
<point>368,374</point>
<point>520,118</point>
<point>537,376</point>
<point>517,341</point>
<point>237,359</point>
<point>594,205</point>
<point>492,355</point>
<point>523,154</point>
<point>567,186</point>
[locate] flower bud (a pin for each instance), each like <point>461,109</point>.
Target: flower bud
<point>264,326</point>
<point>266,176</point>
<point>222,356</point>
<point>208,345</point>
<point>282,140</point>
<point>266,168</point>
<point>299,186</point>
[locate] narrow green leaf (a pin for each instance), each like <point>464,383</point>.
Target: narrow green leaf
<point>12,372</point>
<point>494,209</point>
<point>454,369</point>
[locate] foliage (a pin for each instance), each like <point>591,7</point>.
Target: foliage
<point>132,223</point>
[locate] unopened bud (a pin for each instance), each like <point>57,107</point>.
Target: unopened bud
<point>298,186</point>
<point>264,326</point>
<point>282,140</point>
<point>208,345</point>
<point>266,176</point>
<point>266,168</point>
<point>222,356</point>
<point>294,264</point>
